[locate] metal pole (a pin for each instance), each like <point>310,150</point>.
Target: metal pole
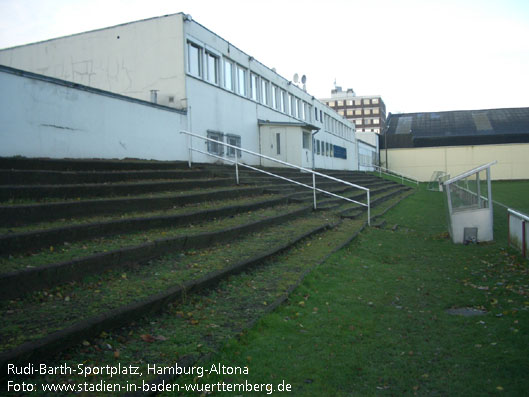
<point>236,167</point>
<point>190,149</point>
<point>368,209</point>
<point>490,203</point>
<point>314,189</point>
<point>478,187</point>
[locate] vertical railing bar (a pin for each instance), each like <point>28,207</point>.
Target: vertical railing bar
<point>236,168</point>
<point>368,209</point>
<point>314,189</point>
<point>190,150</point>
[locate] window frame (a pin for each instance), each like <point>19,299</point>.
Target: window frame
<point>227,61</point>
<point>207,73</point>
<point>215,148</point>
<point>197,60</point>
<point>230,152</point>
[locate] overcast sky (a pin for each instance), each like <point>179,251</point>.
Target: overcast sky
<point>420,55</point>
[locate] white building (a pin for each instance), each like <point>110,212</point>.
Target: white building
<point>225,93</point>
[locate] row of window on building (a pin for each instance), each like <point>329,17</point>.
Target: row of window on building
<point>205,64</point>
<point>358,112</point>
<point>354,102</point>
<point>329,150</point>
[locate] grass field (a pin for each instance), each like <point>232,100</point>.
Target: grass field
<point>373,320</point>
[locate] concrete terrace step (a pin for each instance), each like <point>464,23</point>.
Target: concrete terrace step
<point>32,240</point>
<point>67,268</point>
<point>47,177</point>
<point>23,214</point>
<point>36,192</point>
<point>21,163</point>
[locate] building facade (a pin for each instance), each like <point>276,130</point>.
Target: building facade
<point>226,94</point>
<point>368,113</point>
<point>420,144</point>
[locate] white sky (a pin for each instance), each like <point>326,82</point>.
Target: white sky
<point>420,55</point>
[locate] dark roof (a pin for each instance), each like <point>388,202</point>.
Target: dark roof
<point>454,128</point>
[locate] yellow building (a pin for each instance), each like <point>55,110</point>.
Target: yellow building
<point>418,144</point>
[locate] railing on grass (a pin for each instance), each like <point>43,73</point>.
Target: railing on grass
<point>518,231</point>
<point>385,171</point>
<point>238,163</point>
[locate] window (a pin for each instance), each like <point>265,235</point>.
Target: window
<point>283,101</point>
<point>340,103</point>
<point>341,112</point>
<point>374,101</point>
<point>349,112</point>
<point>265,100</point>
<point>327,149</point>
<point>293,107</point>
<point>299,104</point>
<point>376,111</point>
<point>213,147</point>
<point>358,121</point>
<point>212,68</point>
<point>331,104</point>
<point>316,113</point>
<point>274,103</point>
<point>349,102</point>
<point>367,102</point>
<point>358,102</point>
<point>376,121</point>
<point>331,150</point>
<point>253,87</point>
<point>367,111</point>
<point>234,140</point>
<point>241,80</point>
<point>321,115</point>
<point>194,59</point>
<point>278,143</point>
<point>358,112</point>
<point>228,75</point>
<point>317,146</point>
<point>306,140</point>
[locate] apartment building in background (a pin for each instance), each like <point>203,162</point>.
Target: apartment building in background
<point>368,113</point>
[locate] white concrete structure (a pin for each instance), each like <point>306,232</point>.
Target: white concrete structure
<point>227,94</point>
<point>469,205</point>
<point>368,150</point>
<point>46,117</point>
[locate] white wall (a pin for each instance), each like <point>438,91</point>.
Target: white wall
<point>130,59</point>
<point>366,156</point>
<point>48,119</point>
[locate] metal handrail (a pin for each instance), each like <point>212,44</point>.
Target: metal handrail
<point>314,173</point>
<point>518,214</point>
<point>470,172</point>
<point>403,177</point>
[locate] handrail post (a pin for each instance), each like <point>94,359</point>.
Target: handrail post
<point>368,209</point>
<point>236,168</point>
<point>189,149</point>
<point>314,189</point>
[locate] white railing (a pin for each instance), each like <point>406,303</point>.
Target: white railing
<point>385,171</point>
<point>237,163</point>
<point>518,230</point>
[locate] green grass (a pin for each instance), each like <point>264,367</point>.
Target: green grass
<point>514,194</point>
<point>372,319</point>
